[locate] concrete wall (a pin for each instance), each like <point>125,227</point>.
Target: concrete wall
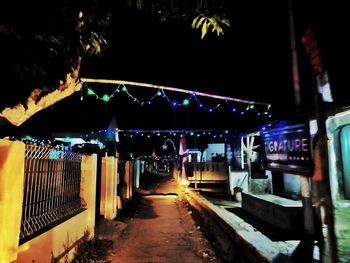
<point>88,188</point>
<point>59,242</point>
<point>137,173</point>
<point>280,212</point>
<point>128,178</point>
<point>11,197</point>
<point>109,173</point>
<point>291,184</point>
<point>213,171</point>
<point>238,179</point>
<point>56,243</point>
<point>235,240</point>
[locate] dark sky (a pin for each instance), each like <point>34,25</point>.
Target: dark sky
<point>251,61</point>
<point>242,63</point>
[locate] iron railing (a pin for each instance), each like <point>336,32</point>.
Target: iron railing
<point>51,187</point>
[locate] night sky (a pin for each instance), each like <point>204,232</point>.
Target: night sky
<point>251,61</point>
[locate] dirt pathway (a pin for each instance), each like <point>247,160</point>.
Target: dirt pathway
<point>161,229</point>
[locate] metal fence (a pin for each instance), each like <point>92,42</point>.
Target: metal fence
<point>51,187</point>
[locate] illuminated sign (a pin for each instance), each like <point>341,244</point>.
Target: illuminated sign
<point>287,148</point>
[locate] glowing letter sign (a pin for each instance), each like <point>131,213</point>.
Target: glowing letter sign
<point>286,148</point>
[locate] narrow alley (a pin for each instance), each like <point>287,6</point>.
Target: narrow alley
<point>157,227</point>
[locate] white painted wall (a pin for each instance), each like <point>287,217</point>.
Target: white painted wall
<point>213,149</point>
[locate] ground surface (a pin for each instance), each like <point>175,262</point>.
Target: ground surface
<point>157,227</point>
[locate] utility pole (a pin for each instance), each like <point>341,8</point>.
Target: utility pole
<point>296,81</point>
<point>321,168</point>
<point>306,246</point>
<point>323,185</point>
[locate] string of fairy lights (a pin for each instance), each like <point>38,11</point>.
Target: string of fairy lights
<point>64,143</point>
<point>193,97</point>
<point>147,134</point>
<point>47,143</point>
<point>172,133</point>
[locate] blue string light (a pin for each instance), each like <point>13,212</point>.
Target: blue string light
<point>251,108</point>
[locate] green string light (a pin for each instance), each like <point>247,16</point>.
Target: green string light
<point>90,92</point>
<point>186,102</point>
<point>106,98</point>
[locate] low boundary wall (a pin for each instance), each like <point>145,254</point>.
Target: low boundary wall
<point>57,244</point>
<point>235,241</point>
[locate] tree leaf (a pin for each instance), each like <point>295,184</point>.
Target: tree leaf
<point>96,46</point>
<point>214,23</point>
<point>204,29</point>
<point>219,30</point>
<point>225,21</point>
<point>194,22</point>
<point>200,22</point>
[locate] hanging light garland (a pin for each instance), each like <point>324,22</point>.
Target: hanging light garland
<point>48,143</point>
<point>215,134</point>
<point>193,96</point>
<point>97,137</point>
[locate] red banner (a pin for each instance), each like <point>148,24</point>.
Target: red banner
<point>311,46</point>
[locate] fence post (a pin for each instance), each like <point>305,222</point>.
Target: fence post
<point>88,188</point>
<point>129,178</point>
<point>108,206</point>
<point>11,197</point>
<point>136,175</point>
